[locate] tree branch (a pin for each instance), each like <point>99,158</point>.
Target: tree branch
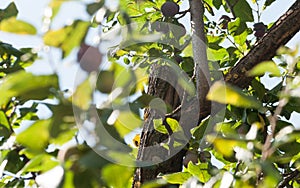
<point>265,49</point>
<point>201,70</point>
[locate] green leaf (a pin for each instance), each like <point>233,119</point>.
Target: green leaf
<point>226,94</point>
<point>94,7</point>
<point>216,55</point>
<point>92,160</point>
<point>3,120</point>
<point>4,125</point>
<point>236,27</point>
<point>13,25</point>
<point>200,171</point>
<point>230,144</point>
<point>174,125</point>
<point>9,49</point>
<point>105,81</point>
<point>262,68</point>
<point>64,136</point>
<point>159,126</point>
<point>10,11</point>
<point>122,180</point>
<point>55,6</point>
<point>83,95</point>
<point>268,3</point>
<point>242,10</point>
<point>259,88</point>
<point>40,163</point>
<point>177,178</point>
<point>241,38</point>
<point>26,86</point>
<point>217,3</point>
<point>35,137</point>
<point>68,37</point>
<point>127,122</point>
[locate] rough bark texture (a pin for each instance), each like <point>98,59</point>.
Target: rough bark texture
<point>265,49</point>
<point>150,151</point>
<point>199,53</point>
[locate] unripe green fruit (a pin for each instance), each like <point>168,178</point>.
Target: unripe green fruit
<point>105,81</point>
<point>169,9</point>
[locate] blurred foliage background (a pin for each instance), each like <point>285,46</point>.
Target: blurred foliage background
<point>56,151</point>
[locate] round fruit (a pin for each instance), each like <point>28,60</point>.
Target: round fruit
<point>178,31</point>
<point>259,26</point>
<point>160,27</point>
<point>259,33</point>
<point>190,156</point>
<point>89,58</point>
<point>259,29</point>
<point>105,81</point>
<point>169,9</point>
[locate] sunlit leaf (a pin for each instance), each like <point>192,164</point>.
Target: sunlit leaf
<point>174,125</point>
<point>40,163</point>
<point>216,55</point>
<point>230,144</point>
<point>177,178</point>
<point>83,95</point>
<point>241,38</point>
<point>55,6</point>
<point>3,120</point>
<point>26,86</point>
<point>262,68</point>
<point>5,130</point>
<point>226,94</point>
<point>159,126</point>
<point>13,25</point>
<point>127,122</point>
<point>35,137</point>
<point>200,171</point>
<point>109,175</point>
<point>68,37</point>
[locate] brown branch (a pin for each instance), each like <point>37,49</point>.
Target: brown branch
<point>291,176</point>
<point>265,49</point>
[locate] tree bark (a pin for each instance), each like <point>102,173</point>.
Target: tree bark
<point>162,85</point>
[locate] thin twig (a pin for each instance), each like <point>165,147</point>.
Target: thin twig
<point>293,175</point>
<point>267,147</point>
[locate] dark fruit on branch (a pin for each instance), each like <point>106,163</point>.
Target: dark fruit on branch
<point>160,27</point>
<point>89,58</point>
<point>169,9</point>
<point>259,26</point>
<point>224,21</point>
<point>179,31</point>
<point>190,156</point>
<point>259,29</point>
